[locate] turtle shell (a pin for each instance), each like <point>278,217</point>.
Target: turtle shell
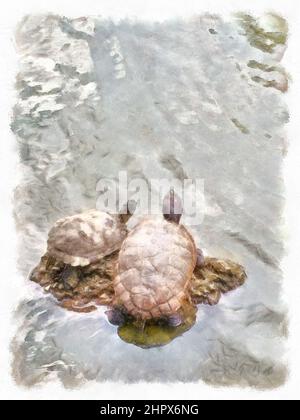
<point>85,238</point>
<point>155,265</point>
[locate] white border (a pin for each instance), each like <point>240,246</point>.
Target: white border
<point>11,282</point>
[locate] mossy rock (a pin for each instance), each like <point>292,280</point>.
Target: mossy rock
<point>156,333</point>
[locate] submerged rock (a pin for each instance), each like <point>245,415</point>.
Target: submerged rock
<point>157,334</point>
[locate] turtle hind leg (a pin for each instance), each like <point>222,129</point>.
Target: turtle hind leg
<point>70,276</point>
<point>115,317</point>
<point>175,320</point>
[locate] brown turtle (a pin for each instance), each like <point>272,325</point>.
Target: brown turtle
<point>86,238</point>
<point>155,267</point>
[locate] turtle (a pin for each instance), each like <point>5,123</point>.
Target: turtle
<point>155,267</point>
<point>146,278</point>
<point>77,241</point>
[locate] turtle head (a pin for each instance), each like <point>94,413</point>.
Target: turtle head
<point>127,211</point>
<point>172,207</point>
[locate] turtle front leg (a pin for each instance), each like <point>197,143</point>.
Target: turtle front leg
<point>200,258</point>
<point>70,276</point>
<point>214,277</point>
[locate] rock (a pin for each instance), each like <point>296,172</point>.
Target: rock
<point>153,334</point>
<point>94,289</point>
<point>214,278</point>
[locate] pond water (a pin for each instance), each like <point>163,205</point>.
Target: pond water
<point>202,98</point>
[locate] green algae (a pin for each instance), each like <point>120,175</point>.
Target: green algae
<point>260,66</point>
<point>240,126</point>
<point>270,83</point>
<point>258,37</point>
<point>282,86</point>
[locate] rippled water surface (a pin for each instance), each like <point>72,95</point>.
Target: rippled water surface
<point>202,98</point>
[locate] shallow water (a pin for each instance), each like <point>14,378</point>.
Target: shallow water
<point>176,99</point>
